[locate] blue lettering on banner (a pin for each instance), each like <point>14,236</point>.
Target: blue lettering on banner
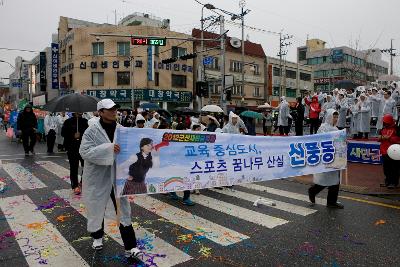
<point>196,168</point>
<point>313,153</point>
<point>209,166</point>
<point>55,84</point>
<point>221,167</point>
<point>190,151</point>
<point>328,152</point>
<point>297,155</point>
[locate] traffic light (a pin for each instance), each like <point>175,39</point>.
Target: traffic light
<point>202,89</point>
<point>169,60</point>
<point>228,93</point>
<point>188,56</point>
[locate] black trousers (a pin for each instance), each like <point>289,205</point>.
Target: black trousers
<point>360,135</point>
<point>391,170</point>
<point>26,137</point>
<point>314,125</point>
<point>74,158</point>
<point>186,194</point>
<point>127,233</point>
<point>333,192</point>
<point>51,139</point>
<point>283,130</point>
<point>299,128</point>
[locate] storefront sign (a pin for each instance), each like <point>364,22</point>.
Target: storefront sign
<point>149,65</point>
<point>327,80</point>
<point>54,66</point>
<point>337,56</point>
<point>42,70</point>
<point>364,152</point>
<point>172,67</point>
<point>152,95</point>
<point>67,68</point>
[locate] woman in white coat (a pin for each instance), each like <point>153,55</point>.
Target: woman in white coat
<point>354,119</point>
<point>283,117</point>
<point>98,151</point>
<point>342,107</point>
<point>327,179</point>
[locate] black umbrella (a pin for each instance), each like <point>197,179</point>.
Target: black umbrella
<point>72,103</point>
<point>185,111</point>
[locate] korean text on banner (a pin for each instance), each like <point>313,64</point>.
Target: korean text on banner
<point>158,161</point>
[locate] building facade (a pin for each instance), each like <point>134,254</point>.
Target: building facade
<point>332,65</point>
<point>20,81</point>
<point>254,91</point>
<point>143,19</point>
<point>294,81</point>
<point>109,66</point>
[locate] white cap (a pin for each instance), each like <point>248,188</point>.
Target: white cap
<point>107,104</point>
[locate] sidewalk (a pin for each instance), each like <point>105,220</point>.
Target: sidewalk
<point>361,179</point>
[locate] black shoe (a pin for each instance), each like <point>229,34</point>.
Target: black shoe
<point>311,197</point>
<point>335,206</point>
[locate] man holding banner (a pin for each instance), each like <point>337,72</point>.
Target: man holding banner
<point>98,151</point>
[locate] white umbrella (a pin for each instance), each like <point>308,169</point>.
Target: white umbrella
<point>212,108</point>
<point>214,119</point>
<point>265,105</point>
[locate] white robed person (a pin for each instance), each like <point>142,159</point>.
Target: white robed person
<point>234,125</point>
<point>99,151</point>
<point>329,103</point>
<point>388,106</point>
<point>327,179</point>
<point>61,118</point>
<point>354,115</point>
<point>283,116</point>
<point>342,107</point>
<point>364,119</point>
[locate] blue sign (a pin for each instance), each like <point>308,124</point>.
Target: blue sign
<point>152,95</point>
<point>363,152</point>
<point>337,56</point>
<point>149,63</point>
<point>207,60</point>
<point>54,66</point>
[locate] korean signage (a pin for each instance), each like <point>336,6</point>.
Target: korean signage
<point>327,80</point>
<point>42,70</point>
<point>54,66</point>
<point>153,95</point>
<point>337,56</point>
<point>187,160</point>
<point>172,67</point>
<point>148,41</point>
<point>116,64</point>
<point>149,63</point>
<point>364,152</point>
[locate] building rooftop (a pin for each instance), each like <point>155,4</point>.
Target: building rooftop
<point>250,48</point>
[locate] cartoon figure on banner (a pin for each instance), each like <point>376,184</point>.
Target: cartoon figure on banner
<point>139,164</point>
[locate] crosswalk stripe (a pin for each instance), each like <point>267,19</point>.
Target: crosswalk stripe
<point>22,177</point>
<point>283,193</point>
<point>40,242</point>
<point>238,212</point>
<point>299,210</point>
<point>56,169</point>
<point>212,231</point>
<point>173,255</point>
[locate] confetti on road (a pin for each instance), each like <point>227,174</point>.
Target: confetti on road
<point>380,222</point>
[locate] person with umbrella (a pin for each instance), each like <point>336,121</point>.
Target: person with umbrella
<point>72,132</point>
<point>27,124</point>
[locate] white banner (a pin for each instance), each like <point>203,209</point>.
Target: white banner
<point>158,161</point>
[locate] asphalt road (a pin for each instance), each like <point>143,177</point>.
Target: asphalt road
<point>42,223</point>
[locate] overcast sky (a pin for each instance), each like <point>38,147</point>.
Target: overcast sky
<point>28,24</point>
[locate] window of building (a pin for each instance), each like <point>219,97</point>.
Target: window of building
<point>123,49</point>
<point>156,78</point>
<point>275,91</point>
<point>63,56</point>
<point>70,52</point>
<point>291,74</point>
<point>256,91</point>
<point>97,78</point>
<point>123,78</point>
<point>235,66</point>
<point>178,51</point>
<point>290,92</point>
<point>98,49</point>
<point>305,76</point>
<point>336,72</point>
<point>237,90</point>
<point>256,69</point>
<point>71,81</point>
<point>276,71</point>
<point>178,81</point>
<point>302,54</point>
<point>213,65</point>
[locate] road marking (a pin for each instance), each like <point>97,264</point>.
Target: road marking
<point>212,231</point>
<point>173,257</point>
<point>371,202</point>
<point>283,193</point>
<point>55,169</point>
<point>239,212</point>
<point>299,210</point>
<point>22,177</point>
<point>40,242</point>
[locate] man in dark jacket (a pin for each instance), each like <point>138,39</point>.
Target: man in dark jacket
<point>299,117</point>
<point>72,132</point>
<point>27,124</point>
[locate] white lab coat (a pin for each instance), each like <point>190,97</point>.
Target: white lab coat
<point>327,178</point>
<point>99,176</point>
<point>364,120</point>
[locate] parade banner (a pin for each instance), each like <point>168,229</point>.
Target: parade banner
<point>158,161</point>
<point>364,152</point>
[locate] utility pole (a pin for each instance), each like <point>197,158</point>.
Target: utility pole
<point>390,51</point>
<point>222,41</point>
<point>282,52</point>
<point>243,12</point>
